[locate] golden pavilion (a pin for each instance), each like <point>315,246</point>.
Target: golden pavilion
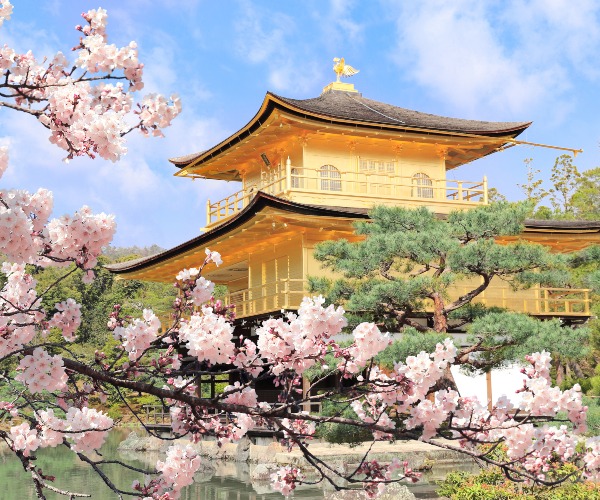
<point>309,168</point>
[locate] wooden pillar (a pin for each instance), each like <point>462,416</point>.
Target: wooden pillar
<point>305,388</point>
<point>488,380</point>
<point>288,173</point>
<point>485,190</point>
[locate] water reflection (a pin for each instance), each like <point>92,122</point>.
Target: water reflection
<point>219,481</point>
<point>215,481</point>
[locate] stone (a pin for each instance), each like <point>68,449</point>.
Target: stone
<point>394,491</point>
<point>262,472</point>
<point>243,450</point>
<point>133,442</point>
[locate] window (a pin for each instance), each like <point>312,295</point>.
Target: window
<point>330,178</point>
<point>297,178</point>
<point>423,186</point>
<point>376,166</point>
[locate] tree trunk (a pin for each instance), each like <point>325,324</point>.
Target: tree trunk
<point>446,382</point>
<point>560,371</point>
<point>576,369</point>
<point>440,325</point>
<point>440,321</point>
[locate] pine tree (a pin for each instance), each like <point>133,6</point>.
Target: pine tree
<point>410,259</point>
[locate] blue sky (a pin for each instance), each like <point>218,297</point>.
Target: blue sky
<point>506,60</point>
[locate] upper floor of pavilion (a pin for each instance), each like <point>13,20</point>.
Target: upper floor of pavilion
<point>343,150</point>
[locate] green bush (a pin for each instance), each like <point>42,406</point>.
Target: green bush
<point>491,484</point>
<point>587,384</point>
<point>115,411</point>
<point>593,415</point>
<point>341,433</point>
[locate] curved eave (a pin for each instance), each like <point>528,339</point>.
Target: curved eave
<point>583,233</point>
<point>258,203</point>
<point>558,235</point>
<point>273,102</point>
<point>563,225</point>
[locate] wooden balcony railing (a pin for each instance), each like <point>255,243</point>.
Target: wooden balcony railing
<point>283,294</point>
<point>365,187</point>
<point>157,415</point>
<point>234,203</point>
<point>535,301</point>
<point>288,294</point>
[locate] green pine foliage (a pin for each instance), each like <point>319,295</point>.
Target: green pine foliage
<point>341,433</point>
<point>520,334</point>
<point>410,258</point>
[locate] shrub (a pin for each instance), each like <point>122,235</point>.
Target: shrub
<point>341,433</point>
<point>491,484</point>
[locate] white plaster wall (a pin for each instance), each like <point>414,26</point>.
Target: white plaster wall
<point>505,381</point>
<point>470,386</point>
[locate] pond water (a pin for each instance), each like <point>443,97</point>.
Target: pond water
<point>230,481</point>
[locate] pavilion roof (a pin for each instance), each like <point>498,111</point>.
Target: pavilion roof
<point>258,203</point>
<point>351,108</point>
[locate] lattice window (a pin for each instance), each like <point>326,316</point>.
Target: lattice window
<point>376,166</point>
<point>330,178</point>
<point>297,179</point>
<point>423,186</point>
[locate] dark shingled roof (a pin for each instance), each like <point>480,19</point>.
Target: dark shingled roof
<point>341,107</point>
<point>260,201</point>
<point>350,106</point>
<point>562,224</point>
<point>184,160</point>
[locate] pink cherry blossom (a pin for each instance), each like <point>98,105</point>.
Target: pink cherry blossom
<point>51,429</point>
<point>239,395</point>
<point>213,257</point>
<point>24,438</point>
<point>87,428</point>
<point>139,335</point>
<point>5,11</point>
<point>208,336</point>
<point>85,115</point>
<point>40,371</point>
<point>187,274</point>
<point>285,479</point>
<point>202,292</point>
<point>297,342</point>
<point>368,342</point>
<point>178,468</point>
<point>67,319</point>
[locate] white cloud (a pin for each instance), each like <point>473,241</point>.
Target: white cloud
<point>559,29</point>
<point>508,58</point>
<point>160,74</point>
<point>289,76</point>
<point>339,26</point>
<point>266,37</point>
<point>23,36</point>
<point>261,38</point>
